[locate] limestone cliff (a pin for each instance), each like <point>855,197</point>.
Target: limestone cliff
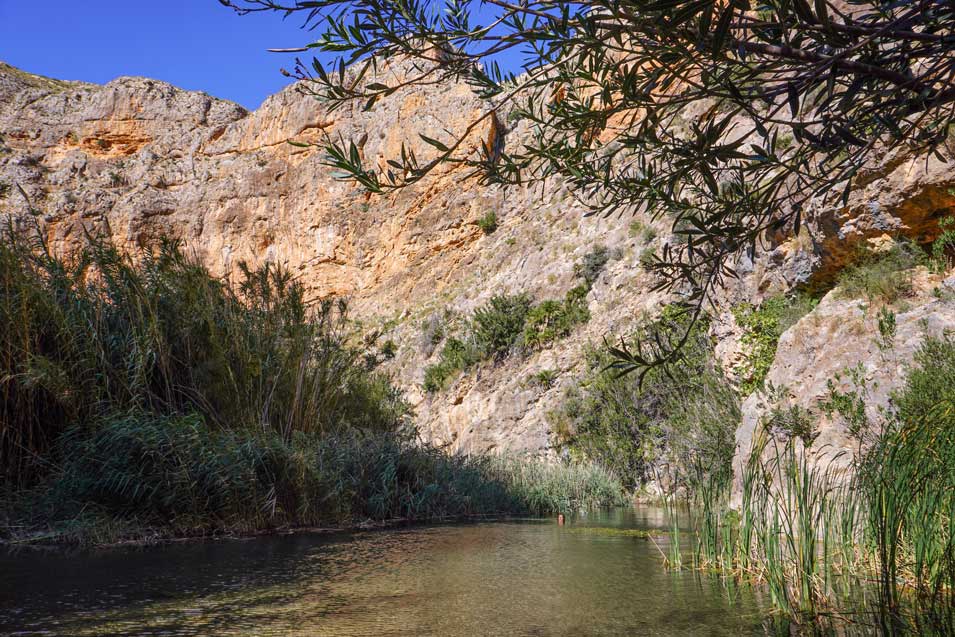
<point>138,159</point>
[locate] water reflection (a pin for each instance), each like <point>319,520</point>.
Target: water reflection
<point>529,578</point>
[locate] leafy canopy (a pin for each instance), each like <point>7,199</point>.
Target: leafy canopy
<point>726,117</point>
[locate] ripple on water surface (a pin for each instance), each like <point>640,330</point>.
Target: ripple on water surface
<point>513,578</point>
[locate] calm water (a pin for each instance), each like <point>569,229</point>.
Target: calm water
<point>516,578</point>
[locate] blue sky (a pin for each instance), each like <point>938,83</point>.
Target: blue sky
<point>195,44</point>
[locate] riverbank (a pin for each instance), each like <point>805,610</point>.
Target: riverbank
<point>145,399</point>
<point>150,481</point>
<point>143,537</point>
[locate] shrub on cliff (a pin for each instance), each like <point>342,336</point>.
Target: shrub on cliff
<point>505,324</point>
<point>593,263</point>
<point>456,356</point>
<point>488,222</point>
<point>496,326</point>
<point>679,423</point>
<point>762,326</point>
<point>552,320</point>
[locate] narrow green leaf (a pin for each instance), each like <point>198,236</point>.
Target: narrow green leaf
<point>434,143</point>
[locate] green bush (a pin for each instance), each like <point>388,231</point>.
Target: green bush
<point>593,263</point>
<point>881,276</point>
<point>551,320</point>
<point>943,248</point>
<point>388,349</point>
<point>491,332</point>
<point>496,326</point>
<point>455,357</point>
<point>930,381</point>
<point>502,325</point>
<point>762,327</point>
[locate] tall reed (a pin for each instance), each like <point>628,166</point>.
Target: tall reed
<point>101,331</point>
<point>810,530</point>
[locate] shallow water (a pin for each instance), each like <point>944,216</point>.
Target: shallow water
<point>531,578</point>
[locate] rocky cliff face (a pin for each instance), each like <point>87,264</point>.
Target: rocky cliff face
<point>139,159</point>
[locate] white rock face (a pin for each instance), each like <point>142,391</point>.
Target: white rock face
<point>839,341</point>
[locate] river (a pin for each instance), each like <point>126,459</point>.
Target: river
<point>523,578</point>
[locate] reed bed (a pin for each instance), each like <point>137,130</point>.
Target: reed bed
<point>139,394</point>
<point>177,476</point>
<point>102,331</point>
<point>817,535</point>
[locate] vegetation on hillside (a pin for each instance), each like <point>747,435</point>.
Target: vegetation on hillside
<point>882,276</point>
<point>674,427</point>
<point>510,323</point>
<point>762,326</point>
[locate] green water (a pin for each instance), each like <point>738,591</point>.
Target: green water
<point>531,578</point>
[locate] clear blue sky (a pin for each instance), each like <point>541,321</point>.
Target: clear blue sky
<point>194,44</point>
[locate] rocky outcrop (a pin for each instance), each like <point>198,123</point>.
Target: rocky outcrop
<point>138,159</point>
<point>839,347</point>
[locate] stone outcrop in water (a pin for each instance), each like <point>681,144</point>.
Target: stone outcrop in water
<point>139,159</point>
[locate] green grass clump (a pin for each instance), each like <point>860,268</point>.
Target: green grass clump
<point>762,326</point>
<point>881,276</point>
<point>908,477</point>
<point>544,379</point>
